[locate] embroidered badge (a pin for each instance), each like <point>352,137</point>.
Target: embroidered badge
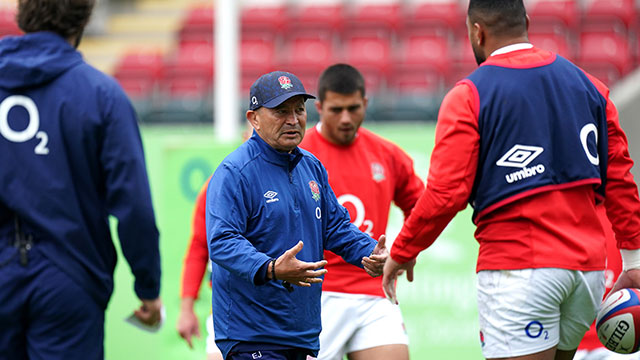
<point>285,82</point>
<point>315,190</point>
<point>377,172</point>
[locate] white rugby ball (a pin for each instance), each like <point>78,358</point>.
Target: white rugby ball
<point>618,321</point>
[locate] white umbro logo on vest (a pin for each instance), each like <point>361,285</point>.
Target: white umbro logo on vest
<point>520,156</point>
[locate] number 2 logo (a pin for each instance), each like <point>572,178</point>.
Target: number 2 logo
<point>32,129</point>
<point>359,208</point>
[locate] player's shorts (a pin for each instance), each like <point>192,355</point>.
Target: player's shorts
<point>353,322</point>
<point>531,310</point>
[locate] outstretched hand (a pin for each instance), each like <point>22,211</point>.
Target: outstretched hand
<point>391,271</point>
<point>297,272</point>
<point>374,263</point>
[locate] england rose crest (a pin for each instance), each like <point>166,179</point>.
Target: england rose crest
<point>285,82</point>
<point>315,190</point>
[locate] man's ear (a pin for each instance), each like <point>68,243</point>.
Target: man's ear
<point>318,106</point>
<point>480,34</point>
<point>252,118</point>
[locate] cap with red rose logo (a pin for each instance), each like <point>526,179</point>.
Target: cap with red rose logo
<point>274,88</point>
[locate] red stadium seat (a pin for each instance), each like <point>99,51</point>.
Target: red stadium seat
<point>545,13</point>
<point>136,88</point>
<point>424,50</point>
<point>368,51</point>
<point>308,54</point>
<point>263,19</point>
<point>197,25</point>
<point>309,79</point>
<point>552,42</point>
<point>187,87</point>
<point>605,48</point>
<point>320,20</point>
<point>609,14</point>
<point>446,16</point>
<point>140,65</point>
<point>606,73</point>
<point>375,17</point>
<point>257,55</point>
<point>414,81</point>
<point>372,56</point>
<point>463,61</point>
<point>190,61</point>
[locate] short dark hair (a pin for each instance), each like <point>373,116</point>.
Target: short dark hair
<point>65,17</point>
<point>501,17</point>
<point>342,79</point>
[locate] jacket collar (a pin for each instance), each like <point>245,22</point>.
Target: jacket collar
<point>287,160</point>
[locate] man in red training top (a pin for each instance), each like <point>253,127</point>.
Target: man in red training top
<point>533,143</point>
<point>367,173</point>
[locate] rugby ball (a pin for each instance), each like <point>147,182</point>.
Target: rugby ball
<point>618,321</point>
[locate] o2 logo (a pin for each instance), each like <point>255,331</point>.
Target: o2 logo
<point>534,330</point>
<point>33,127</point>
<point>360,212</point>
<point>584,134</point>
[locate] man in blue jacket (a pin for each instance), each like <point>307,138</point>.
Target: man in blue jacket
<point>270,216</point>
<point>70,155</point>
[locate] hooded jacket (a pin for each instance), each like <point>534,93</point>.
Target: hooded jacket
<point>260,203</point>
<point>71,156</point>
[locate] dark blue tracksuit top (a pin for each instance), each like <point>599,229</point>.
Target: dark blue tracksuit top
<point>71,156</point>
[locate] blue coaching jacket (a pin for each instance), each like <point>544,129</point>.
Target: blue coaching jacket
<point>260,203</point>
<point>71,155</point>
<point>541,128</point>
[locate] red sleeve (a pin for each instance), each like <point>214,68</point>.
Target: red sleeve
<point>409,186</point>
<point>621,194</point>
<point>197,256</point>
<point>451,173</point>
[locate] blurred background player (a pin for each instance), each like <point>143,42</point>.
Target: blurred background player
<point>532,142</point>
<point>194,267</point>
<point>270,215</point>
<point>71,156</point>
<point>367,173</point>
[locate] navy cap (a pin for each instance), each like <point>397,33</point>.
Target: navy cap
<point>274,88</point>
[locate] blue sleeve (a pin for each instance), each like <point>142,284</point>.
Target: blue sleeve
<point>341,236</point>
<point>128,196</point>
<point>228,210</point>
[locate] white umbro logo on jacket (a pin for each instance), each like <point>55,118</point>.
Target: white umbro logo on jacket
<point>271,196</point>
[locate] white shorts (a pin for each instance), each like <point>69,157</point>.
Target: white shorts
<point>527,311</point>
<point>353,322</point>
